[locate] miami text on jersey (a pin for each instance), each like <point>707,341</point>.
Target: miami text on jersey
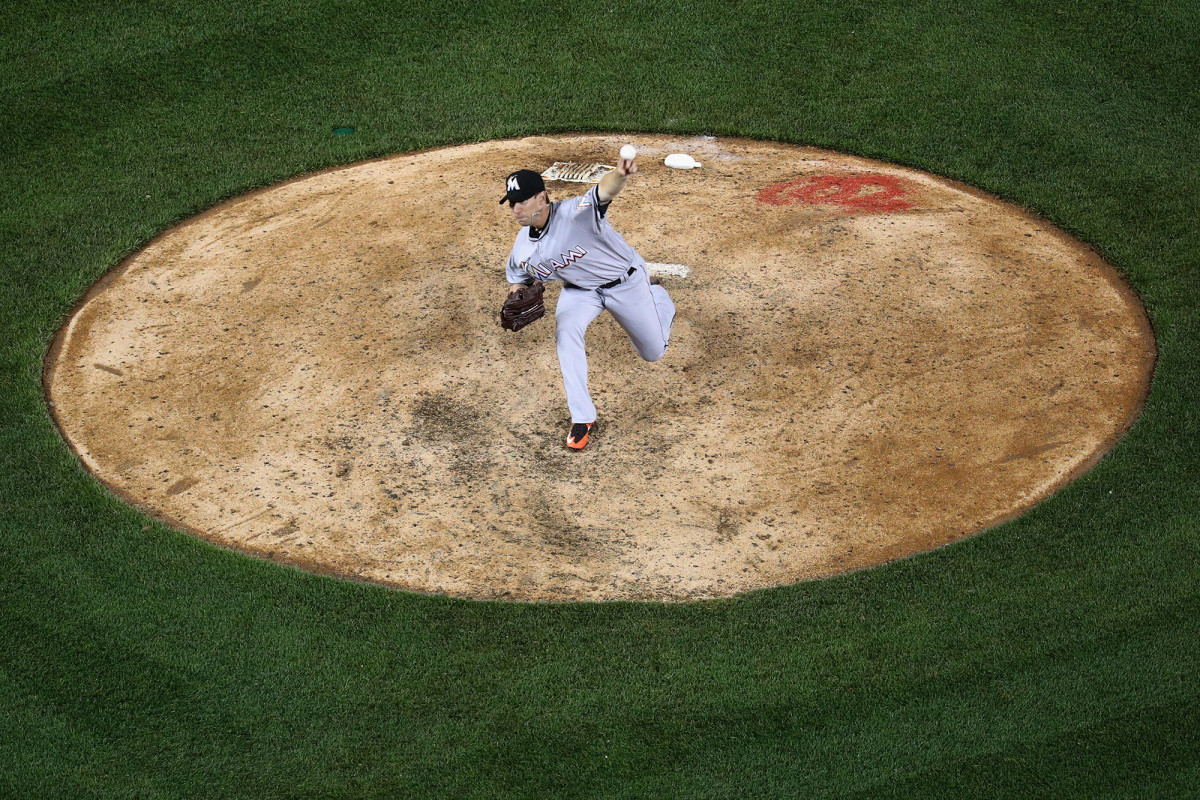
<point>544,269</point>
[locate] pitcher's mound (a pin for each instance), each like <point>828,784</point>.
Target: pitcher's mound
<point>867,362</point>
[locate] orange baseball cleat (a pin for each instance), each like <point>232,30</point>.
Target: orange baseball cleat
<point>578,437</point>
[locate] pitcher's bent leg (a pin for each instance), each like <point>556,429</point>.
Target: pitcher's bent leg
<point>646,312</point>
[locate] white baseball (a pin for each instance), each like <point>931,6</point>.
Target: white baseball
<point>628,152</point>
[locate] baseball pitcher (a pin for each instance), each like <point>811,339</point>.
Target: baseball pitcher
<point>572,241</point>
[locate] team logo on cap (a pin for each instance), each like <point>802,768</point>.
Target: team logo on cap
<point>513,184</point>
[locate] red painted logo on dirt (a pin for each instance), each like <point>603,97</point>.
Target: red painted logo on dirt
<point>860,193</point>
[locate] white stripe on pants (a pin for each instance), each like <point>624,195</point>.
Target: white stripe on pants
<point>645,312</point>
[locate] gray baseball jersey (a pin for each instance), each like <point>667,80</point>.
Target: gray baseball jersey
<point>576,245</point>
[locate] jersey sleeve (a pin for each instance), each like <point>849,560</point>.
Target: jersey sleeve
<point>513,271</point>
<point>586,211</point>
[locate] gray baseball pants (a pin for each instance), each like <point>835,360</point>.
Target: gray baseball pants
<point>644,311</point>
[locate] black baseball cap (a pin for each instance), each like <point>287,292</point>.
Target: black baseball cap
<point>522,185</point>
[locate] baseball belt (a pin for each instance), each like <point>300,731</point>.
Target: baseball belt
<point>608,285</point>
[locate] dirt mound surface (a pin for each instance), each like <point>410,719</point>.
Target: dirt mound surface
<point>867,362</point>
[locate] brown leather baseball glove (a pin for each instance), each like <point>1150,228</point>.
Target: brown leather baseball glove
<point>523,307</point>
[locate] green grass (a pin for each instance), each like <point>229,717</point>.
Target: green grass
<point>1054,656</point>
